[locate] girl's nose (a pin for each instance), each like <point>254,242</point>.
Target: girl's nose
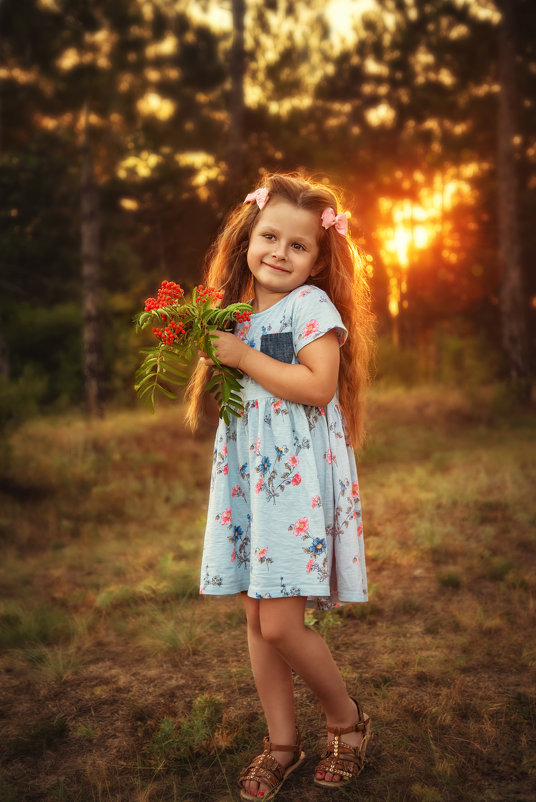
<point>278,252</point>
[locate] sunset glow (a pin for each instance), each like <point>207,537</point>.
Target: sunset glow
<point>408,226</point>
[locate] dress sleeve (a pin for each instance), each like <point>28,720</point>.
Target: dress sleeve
<point>313,316</point>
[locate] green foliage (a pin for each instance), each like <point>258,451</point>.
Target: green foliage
<point>165,740</point>
<point>181,635</point>
<point>429,66</point>
<point>199,726</point>
<point>20,399</point>
<point>47,342</point>
<point>56,663</point>
<point>398,366</point>
<point>195,732</point>
<point>165,363</point>
<point>41,737</point>
<point>161,363</point>
<point>456,360</point>
<point>325,622</point>
<point>466,362</point>
<point>19,626</point>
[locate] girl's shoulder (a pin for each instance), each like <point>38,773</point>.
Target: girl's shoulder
<point>313,314</point>
<point>309,295</point>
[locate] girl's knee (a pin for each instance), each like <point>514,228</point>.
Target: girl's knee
<point>276,632</point>
<point>281,620</point>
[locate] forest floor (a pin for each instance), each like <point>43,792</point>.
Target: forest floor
<point>119,682</point>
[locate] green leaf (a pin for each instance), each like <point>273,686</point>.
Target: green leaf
<point>212,383</point>
<point>225,392</point>
<point>221,318</point>
<point>166,392</point>
<point>147,365</point>
<point>148,378</point>
<point>169,367</point>
<point>147,396</point>
<point>233,383</point>
<point>142,389</point>
<point>174,381</point>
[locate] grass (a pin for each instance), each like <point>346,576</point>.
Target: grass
<point>120,683</point>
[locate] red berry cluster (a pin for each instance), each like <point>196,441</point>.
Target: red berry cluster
<point>205,294</point>
<point>168,293</point>
<point>171,333</point>
<point>241,317</point>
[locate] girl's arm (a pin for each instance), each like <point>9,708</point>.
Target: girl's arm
<point>312,382</point>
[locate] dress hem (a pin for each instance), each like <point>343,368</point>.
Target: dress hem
<point>359,598</point>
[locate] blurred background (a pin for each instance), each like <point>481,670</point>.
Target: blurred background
<point>129,127</point>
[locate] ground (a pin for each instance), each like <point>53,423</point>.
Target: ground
<point>120,683</point>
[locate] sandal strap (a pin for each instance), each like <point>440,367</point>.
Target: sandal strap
<point>360,726</point>
<point>343,750</point>
<point>278,748</point>
<point>342,758</point>
<point>347,766</point>
<point>338,731</point>
<point>265,768</point>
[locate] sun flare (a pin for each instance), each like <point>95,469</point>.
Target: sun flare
<point>410,225</point>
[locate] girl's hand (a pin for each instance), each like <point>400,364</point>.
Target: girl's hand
<point>229,349</point>
<point>313,381</point>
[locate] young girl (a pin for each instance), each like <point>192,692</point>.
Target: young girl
<point>284,518</point>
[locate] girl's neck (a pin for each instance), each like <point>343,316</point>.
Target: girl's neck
<point>264,299</point>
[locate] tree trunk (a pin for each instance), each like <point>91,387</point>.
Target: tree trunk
<point>236,110</point>
<point>513,297</point>
<point>92,346</point>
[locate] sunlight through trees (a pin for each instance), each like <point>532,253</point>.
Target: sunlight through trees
<point>396,100</point>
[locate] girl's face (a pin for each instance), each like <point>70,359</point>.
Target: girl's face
<point>283,250</point>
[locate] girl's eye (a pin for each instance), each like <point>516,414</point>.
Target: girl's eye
<point>268,236</point>
<point>298,246</point>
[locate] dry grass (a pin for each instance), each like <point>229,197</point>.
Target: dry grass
<point>120,683</point>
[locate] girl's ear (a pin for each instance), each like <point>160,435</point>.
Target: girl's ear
<point>318,267</point>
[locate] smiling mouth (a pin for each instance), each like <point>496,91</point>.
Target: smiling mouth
<point>274,267</point>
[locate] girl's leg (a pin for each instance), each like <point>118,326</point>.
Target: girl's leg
<point>273,680</point>
<point>283,629</point>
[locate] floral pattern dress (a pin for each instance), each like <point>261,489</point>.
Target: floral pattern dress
<point>284,515</point>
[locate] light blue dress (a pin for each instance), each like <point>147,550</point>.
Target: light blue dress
<point>284,515</point>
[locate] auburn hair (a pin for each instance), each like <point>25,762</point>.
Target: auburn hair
<point>340,272</point>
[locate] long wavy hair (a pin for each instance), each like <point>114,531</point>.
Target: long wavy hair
<point>340,272</point>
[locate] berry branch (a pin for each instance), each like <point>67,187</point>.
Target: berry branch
<point>188,327</point>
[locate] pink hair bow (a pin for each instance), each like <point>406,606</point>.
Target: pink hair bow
<point>329,218</point>
<point>260,196</point>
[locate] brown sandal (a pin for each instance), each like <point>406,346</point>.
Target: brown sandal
<point>342,758</point>
<point>266,769</point>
